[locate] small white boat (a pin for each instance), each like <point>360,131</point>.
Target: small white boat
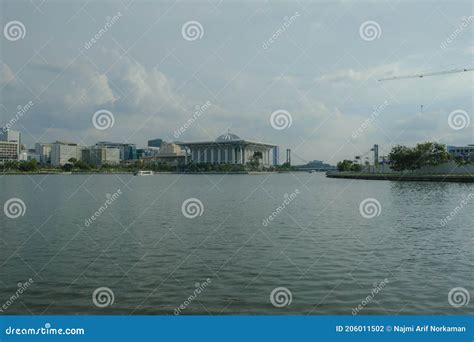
<point>143,173</point>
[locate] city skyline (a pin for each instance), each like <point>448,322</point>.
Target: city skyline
<point>145,72</point>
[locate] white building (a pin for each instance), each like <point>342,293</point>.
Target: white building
<point>230,149</point>
<point>61,152</point>
<point>170,149</point>
<point>9,135</point>
<point>9,151</point>
<point>464,152</point>
<point>11,144</point>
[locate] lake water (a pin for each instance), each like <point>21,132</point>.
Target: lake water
<point>153,258</point>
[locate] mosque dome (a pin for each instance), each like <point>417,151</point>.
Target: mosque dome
<point>228,137</point>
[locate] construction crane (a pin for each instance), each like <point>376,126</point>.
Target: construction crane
<point>436,73</point>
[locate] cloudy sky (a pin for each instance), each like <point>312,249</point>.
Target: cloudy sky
<point>315,63</point>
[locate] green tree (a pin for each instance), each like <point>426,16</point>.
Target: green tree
<point>404,158</point>
<point>73,161</point>
<point>345,165</point>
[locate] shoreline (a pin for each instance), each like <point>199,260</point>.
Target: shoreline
<point>132,173</point>
<point>462,178</point>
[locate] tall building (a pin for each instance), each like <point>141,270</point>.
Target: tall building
<point>9,135</point>
<point>61,152</point>
<point>10,140</point>
<point>44,151</point>
<point>9,151</point>
<point>29,155</point>
<point>99,156</point>
<point>155,143</point>
<point>170,149</point>
<point>127,151</point>
<point>230,149</point>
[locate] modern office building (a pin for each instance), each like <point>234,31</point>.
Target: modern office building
<point>29,155</point>
<point>9,151</point>
<point>168,153</point>
<point>44,151</point>
<point>14,140</point>
<point>9,135</point>
<point>229,148</point>
<point>127,151</point>
<point>464,152</point>
<point>99,156</point>
<point>61,152</point>
<point>155,143</point>
<point>170,149</point>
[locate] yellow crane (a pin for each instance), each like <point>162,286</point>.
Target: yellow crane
<point>436,73</point>
<point>428,74</point>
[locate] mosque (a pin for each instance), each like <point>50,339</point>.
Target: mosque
<point>229,148</point>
